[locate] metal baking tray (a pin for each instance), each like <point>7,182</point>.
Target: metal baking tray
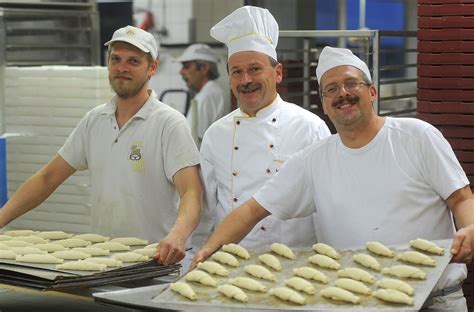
<point>161,297</point>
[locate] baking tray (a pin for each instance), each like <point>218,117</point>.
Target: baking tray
<point>161,297</point>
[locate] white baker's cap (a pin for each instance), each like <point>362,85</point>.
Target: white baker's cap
<point>136,37</point>
<point>248,28</point>
<point>198,52</point>
<point>333,57</point>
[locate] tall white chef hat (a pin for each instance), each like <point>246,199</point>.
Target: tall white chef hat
<point>137,37</point>
<point>333,57</point>
<point>198,52</point>
<point>248,28</point>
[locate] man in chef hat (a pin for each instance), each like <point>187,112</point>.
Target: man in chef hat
<point>139,152</point>
<point>210,102</point>
<point>381,179</point>
<point>244,149</point>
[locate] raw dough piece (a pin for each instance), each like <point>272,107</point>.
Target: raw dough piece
<point>325,262</point>
<point>93,251</point>
<point>326,250</point>
<point>93,238</point>
<point>225,258</point>
<point>31,239</point>
<point>367,261</point>
<point>7,254</point>
<point>426,245</point>
<point>3,246</point>
<point>154,246</point>
<point>392,295</point>
<point>73,242</point>
<point>339,294</point>
<point>380,249</point>
<point>109,262</point>
<point>27,250</point>
<point>5,237</point>
<point>81,265</point>
<point>213,268</point>
<point>417,258</point>
<point>70,255</point>
<point>271,261</point>
<point>184,290</point>
<point>20,233</point>
<point>35,258</point>
<point>310,273</point>
<point>283,250</point>
<point>237,250</point>
<point>233,292</point>
<point>111,246</point>
<point>54,235</point>
<point>260,272</point>
<point>149,252</point>
<point>357,274</point>
<point>399,285</point>
<point>248,283</point>
<point>130,257</point>
<point>352,285</point>
<point>299,283</point>
<point>287,294</point>
<point>405,271</point>
<point>50,247</point>
<point>201,277</point>
<point>130,241</point>
<point>15,243</point>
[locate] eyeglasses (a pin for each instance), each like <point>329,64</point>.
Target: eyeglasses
<point>252,71</point>
<point>350,86</point>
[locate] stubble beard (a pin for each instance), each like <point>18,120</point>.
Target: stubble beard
<point>127,90</point>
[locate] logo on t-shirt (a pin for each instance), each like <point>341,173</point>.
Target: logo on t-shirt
<point>136,157</point>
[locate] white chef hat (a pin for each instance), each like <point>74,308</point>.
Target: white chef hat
<point>136,37</point>
<point>333,57</point>
<point>198,51</point>
<point>248,28</point>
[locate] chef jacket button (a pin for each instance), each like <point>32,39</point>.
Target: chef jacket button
<point>235,199</point>
<point>116,140</point>
<point>271,145</point>
<point>274,120</point>
<point>236,148</point>
<point>268,170</point>
<point>238,122</point>
<point>234,173</point>
<point>263,228</point>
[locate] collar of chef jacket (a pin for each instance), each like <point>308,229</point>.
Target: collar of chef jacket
<point>264,112</point>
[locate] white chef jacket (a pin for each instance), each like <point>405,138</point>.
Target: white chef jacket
<point>240,153</point>
<point>132,168</point>
<point>212,103</point>
<point>392,190</point>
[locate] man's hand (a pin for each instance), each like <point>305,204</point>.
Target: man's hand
<point>201,255</point>
<point>462,247</point>
<point>170,249</point>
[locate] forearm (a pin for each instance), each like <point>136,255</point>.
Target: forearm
<point>189,213</point>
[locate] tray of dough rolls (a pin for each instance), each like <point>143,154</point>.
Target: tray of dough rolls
<point>55,259</point>
<point>315,294</point>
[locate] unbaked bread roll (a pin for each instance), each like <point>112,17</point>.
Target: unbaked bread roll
<point>237,250</point>
<point>36,258</point>
<point>405,271</point>
<point>325,262</point>
<point>426,245</point>
<point>357,274</point>
<point>396,284</point>
<point>93,238</point>
<point>339,294</point>
<point>71,255</point>
<point>283,250</point>
<point>352,285</point>
<point>112,246</point>
<point>367,261</point>
<point>233,292</point>
<point>93,251</point>
<point>201,277</point>
<point>130,241</point>
<point>15,243</point>
<point>260,272</point>
<point>392,295</point>
<point>417,258</point>
<point>15,233</point>
<point>287,294</point>
<point>109,262</point>
<point>184,290</point>
<point>130,257</point>
<point>310,273</point>
<point>271,261</point>
<point>326,250</point>
<point>225,258</point>
<point>380,249</point>
<point>5,238</point>
<point>154,246</point>
<point>81,265</point>
<point>50,247</point>
<point>73,242</point>
<point>26,250</point>
<point>53,235</point>
<point>3,246</point>
<point>31,239</point>
<point>213,268</point>
<point>301,284</point>
<point>248,283</point>
<point>7,254</point>
<point>149,252</point>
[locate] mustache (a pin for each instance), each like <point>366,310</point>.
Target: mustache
<point>351,99</point>
<point>122,76</point>
<point>248,87</point>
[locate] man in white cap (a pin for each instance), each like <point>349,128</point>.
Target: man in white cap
<point>382,179</point>
<point>210,102</point>
<point>246,148</point>
<point>139,152</point>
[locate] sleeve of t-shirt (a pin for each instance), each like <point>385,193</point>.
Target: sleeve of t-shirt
<point>440,165</point>
<point>289,194</point>
<point>74,149</point>
<point>179,148</point>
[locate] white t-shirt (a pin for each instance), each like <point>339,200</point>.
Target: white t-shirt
<point>392,190</point>
<point>132,168</point>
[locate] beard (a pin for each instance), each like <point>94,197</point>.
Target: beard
<point>126,88</point>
